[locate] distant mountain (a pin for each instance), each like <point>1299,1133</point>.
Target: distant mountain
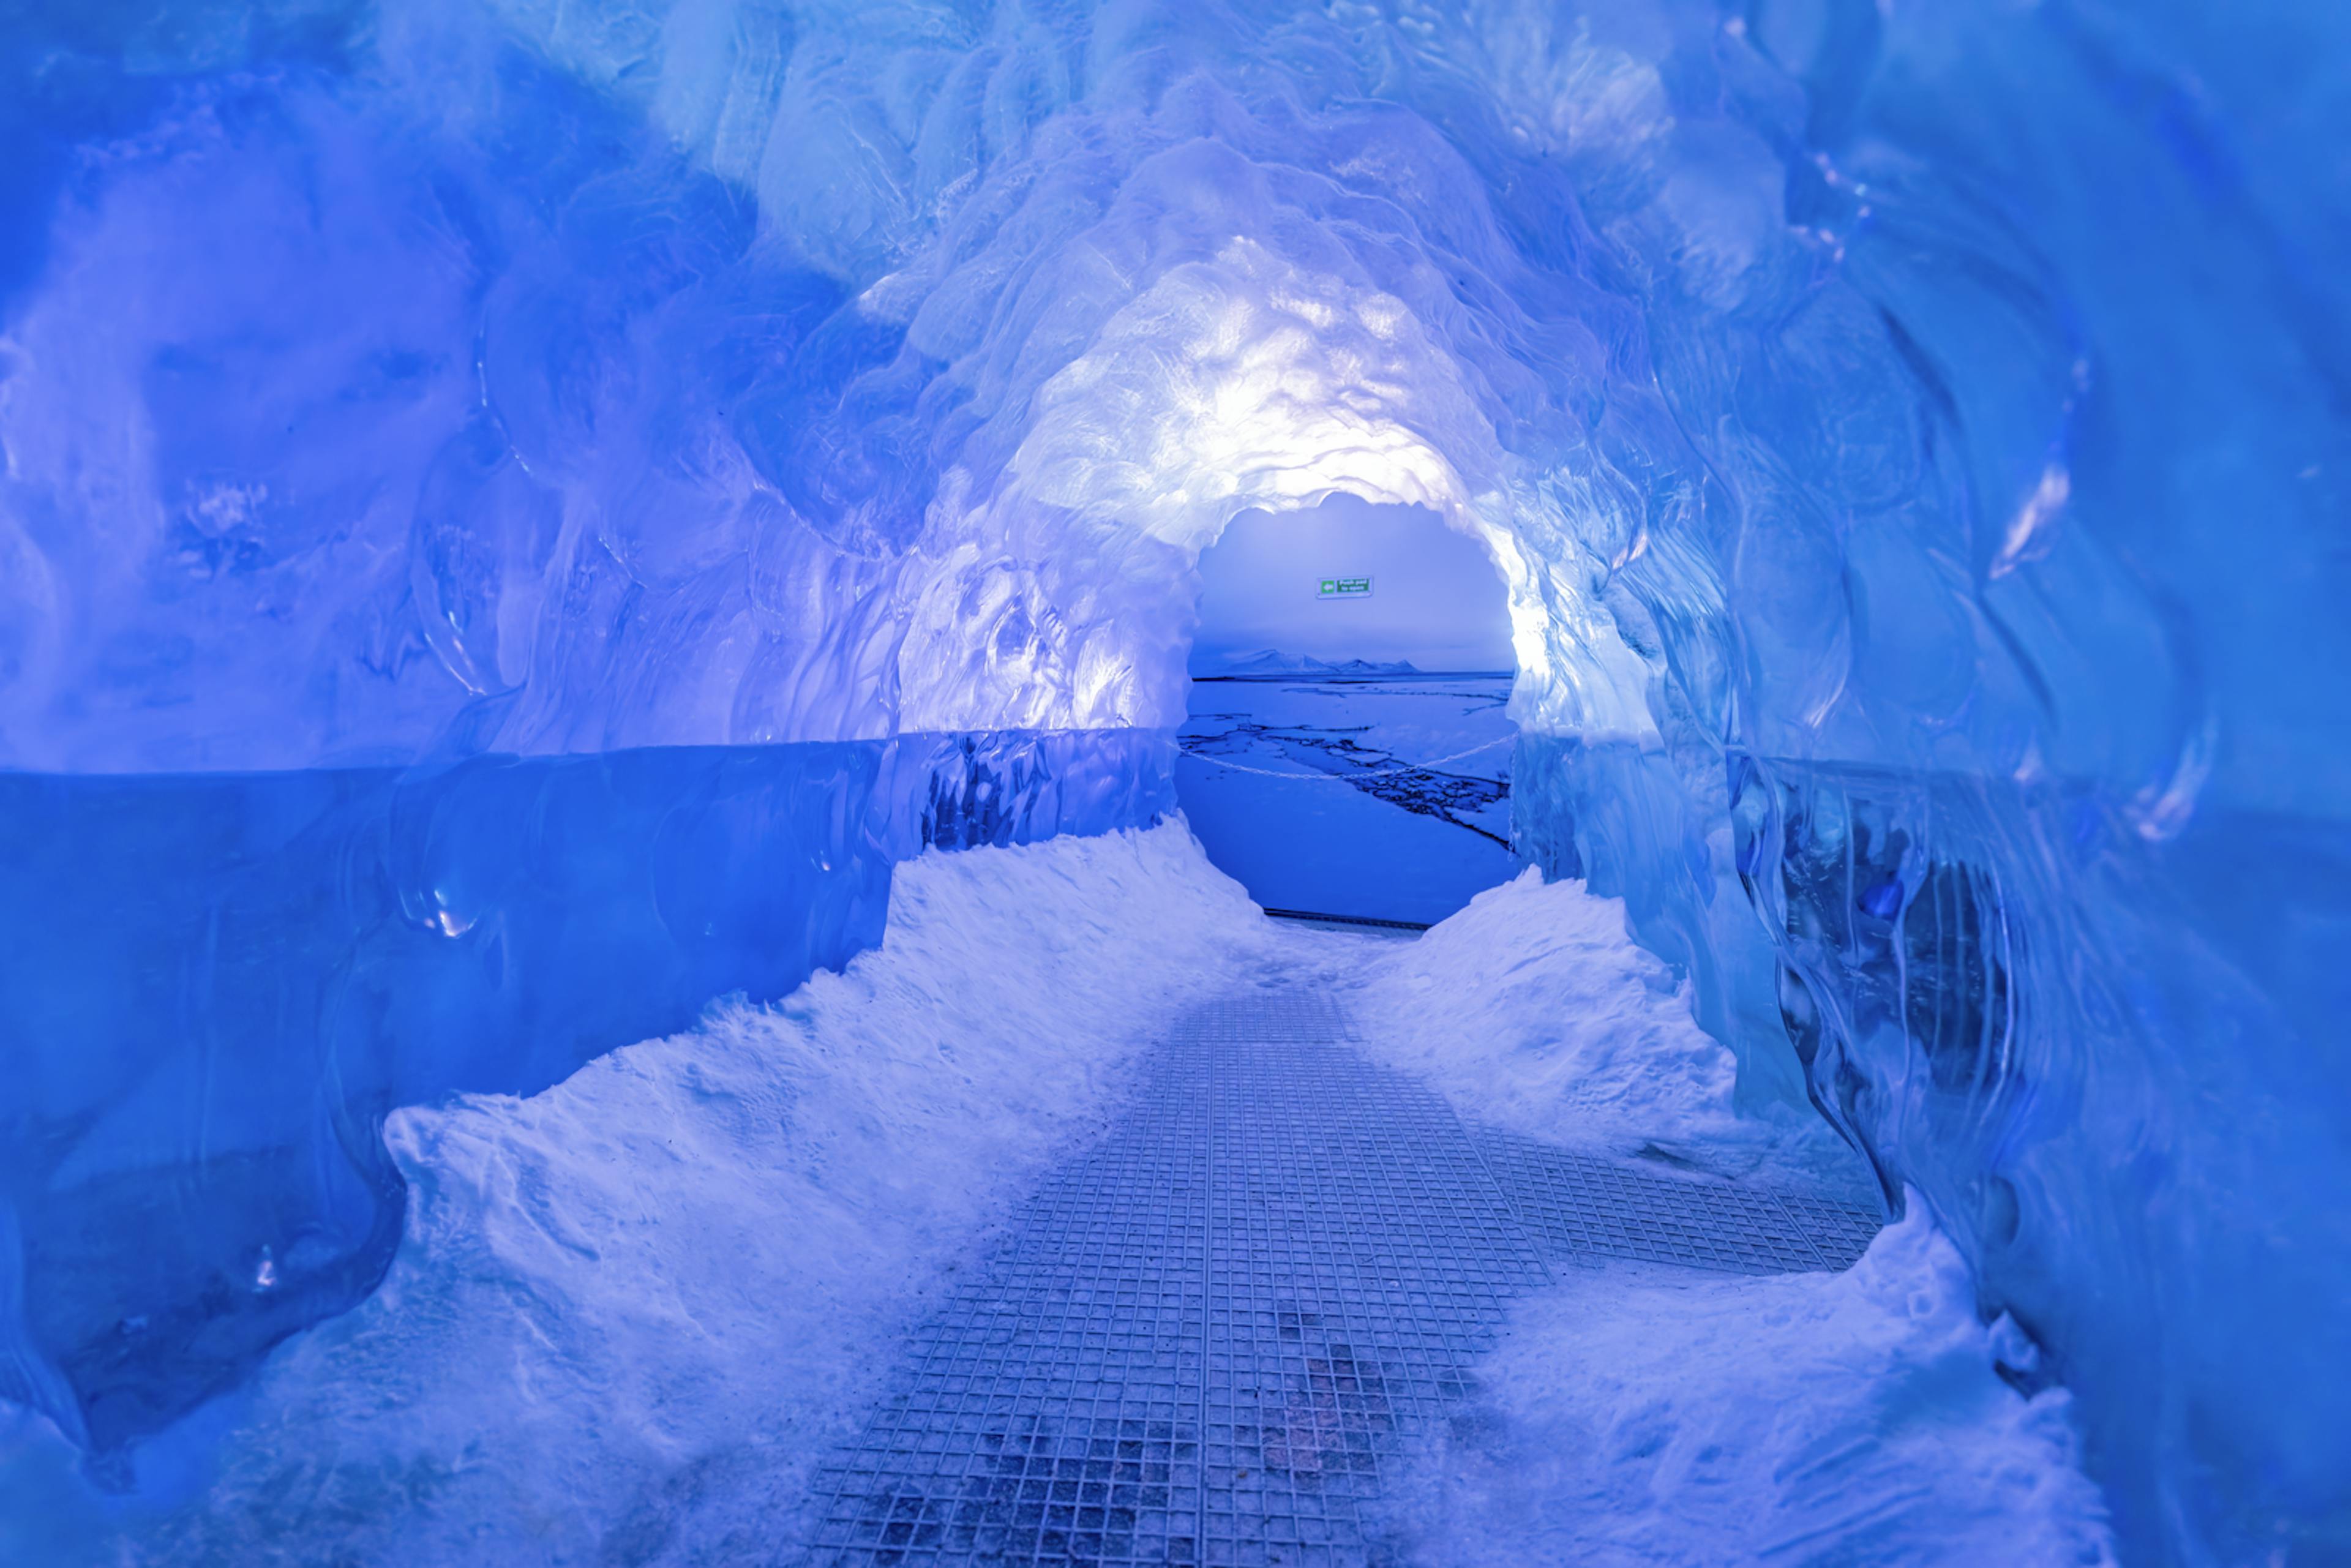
<point>1272,662</point>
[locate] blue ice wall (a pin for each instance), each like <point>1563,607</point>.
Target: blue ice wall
<point>2009,778</point>
<point>1913,434</point>
<point>397,695</point>
<point>218,984</point>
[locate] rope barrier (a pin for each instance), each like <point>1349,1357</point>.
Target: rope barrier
<point>1321,777</point>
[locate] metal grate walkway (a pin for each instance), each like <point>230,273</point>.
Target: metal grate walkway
<point>1576,1203</point>
<point>1203,1336</point>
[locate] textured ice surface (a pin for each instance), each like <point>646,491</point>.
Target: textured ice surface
<point>1913,435</point>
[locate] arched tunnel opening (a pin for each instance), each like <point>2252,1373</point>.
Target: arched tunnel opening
<point>1346,745</point>
<point>670,670</point>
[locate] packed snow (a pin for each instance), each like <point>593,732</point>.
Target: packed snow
<point>1533,1009</point>
<point>1639,1416</point>
<point>632,1312</point>
<point>629,1312</point>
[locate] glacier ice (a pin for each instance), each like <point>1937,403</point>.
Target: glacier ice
<point>1911,437</point>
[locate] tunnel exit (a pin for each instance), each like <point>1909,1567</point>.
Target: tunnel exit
<point>1347,747</point>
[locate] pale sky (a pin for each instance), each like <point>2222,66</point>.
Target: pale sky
<point>1436,598</point>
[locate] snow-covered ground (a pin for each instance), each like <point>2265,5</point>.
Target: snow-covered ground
<point>630,1314</point>
<point>1642,1416</point>
<point>1532,1010</point>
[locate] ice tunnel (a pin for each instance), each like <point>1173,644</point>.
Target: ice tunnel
<point>597,602</point>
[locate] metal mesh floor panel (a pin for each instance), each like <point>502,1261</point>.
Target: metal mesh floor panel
<point>1360,1259</point>
<point>1574,1203</point>
<point>1051,1413</point>
<point>1202,1338</point>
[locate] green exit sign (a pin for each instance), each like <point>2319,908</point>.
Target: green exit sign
<point>1345,588</point>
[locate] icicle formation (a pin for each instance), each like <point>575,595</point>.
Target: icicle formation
<point>1913,434</point>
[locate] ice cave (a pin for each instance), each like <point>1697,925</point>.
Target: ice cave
<point>1309,782</point>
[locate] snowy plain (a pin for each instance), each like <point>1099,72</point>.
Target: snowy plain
<point>1384,795</point>
<point>632,1312</point>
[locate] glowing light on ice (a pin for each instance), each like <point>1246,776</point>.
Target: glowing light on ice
<point>2026,530</point>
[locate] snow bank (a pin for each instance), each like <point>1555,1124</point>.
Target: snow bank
<point>1648,1417</point>
<point>1533,1009</point>
<point>1640,1416</point>
<point>631,1312</point>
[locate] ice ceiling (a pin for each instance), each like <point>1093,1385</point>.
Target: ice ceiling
<point>1913,434</point>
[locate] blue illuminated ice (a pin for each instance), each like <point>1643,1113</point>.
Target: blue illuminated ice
<point>442,443</point>
<point>630,1314</point>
